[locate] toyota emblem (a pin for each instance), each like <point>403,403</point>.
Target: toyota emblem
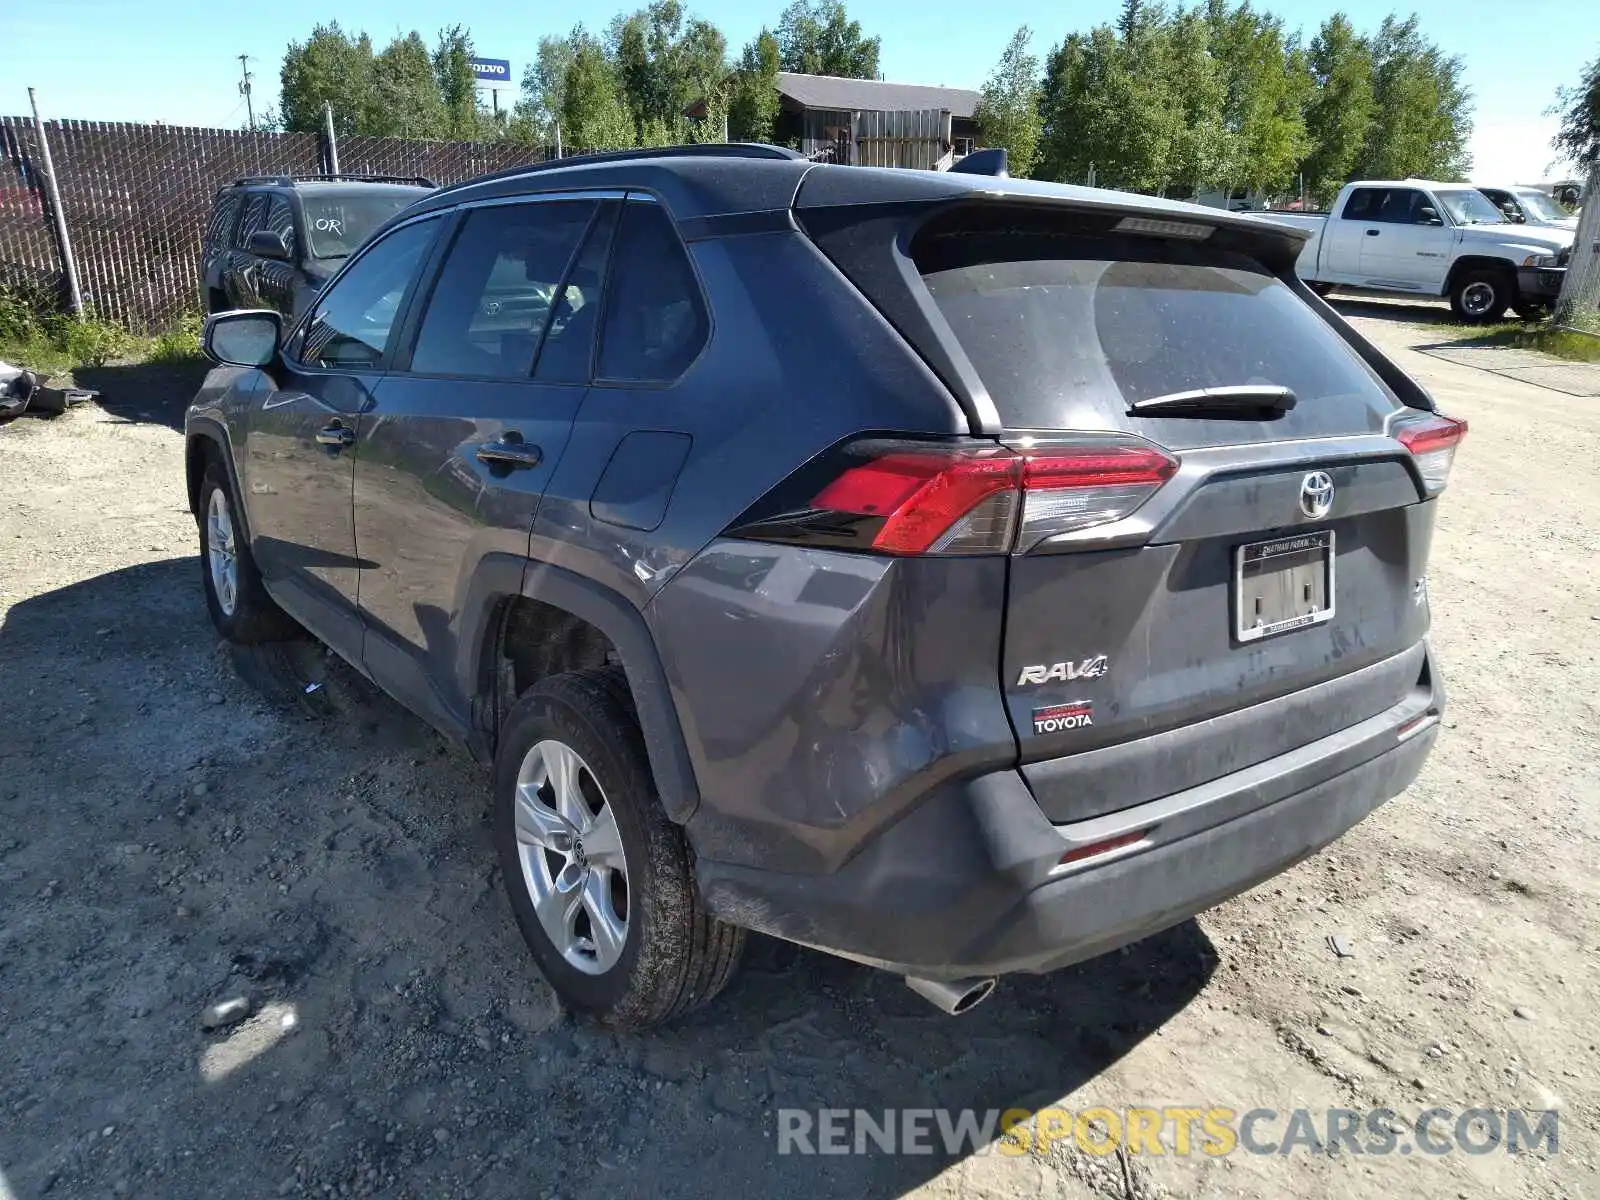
<point>1316,495</point>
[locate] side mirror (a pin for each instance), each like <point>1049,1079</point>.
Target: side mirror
<point>248,338</point>
<point>268,244</point>
<point>1428,215</point>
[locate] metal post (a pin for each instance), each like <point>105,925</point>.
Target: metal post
<point>558,139</point>
<point>75,294</point>
<point>1580,290</point>
<point>333,142</point>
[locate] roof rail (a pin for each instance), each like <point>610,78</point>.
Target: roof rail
<point>700,150</point>
<point>289,180</point>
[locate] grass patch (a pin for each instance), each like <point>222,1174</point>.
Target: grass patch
<point>1542,336</point>
<point>55,344</point>
<point>179,344</point>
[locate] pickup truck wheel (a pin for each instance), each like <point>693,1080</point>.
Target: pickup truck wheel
<point>235,596</point>
<point>1322,289</point>
<point>598,876</point>
<point>1481,295</point>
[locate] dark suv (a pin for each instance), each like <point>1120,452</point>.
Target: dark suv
<point>272,241</point>
<point>962,575</point>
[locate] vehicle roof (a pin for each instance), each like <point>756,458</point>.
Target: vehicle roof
<point>314,187</point>
<point>707,185</point>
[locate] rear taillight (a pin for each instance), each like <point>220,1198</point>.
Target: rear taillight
<point>1076,488</point>
<point>905,498</point>
<point>1432,440</point>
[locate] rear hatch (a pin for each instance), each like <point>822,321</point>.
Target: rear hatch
<point>1234,565</point>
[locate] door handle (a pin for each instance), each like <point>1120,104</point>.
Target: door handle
<point>510,452</point>
<point>1373,232</point>
<point>336,436</point>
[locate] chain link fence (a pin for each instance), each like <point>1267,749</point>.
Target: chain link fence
<point>136,199</point>
<point>1580,293</point>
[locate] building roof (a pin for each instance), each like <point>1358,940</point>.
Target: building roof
<point>858,95</point>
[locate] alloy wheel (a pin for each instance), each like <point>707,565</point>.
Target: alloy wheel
<point>572,859</point>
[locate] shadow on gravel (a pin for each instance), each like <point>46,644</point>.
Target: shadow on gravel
<point>145,393</point>
<point>180,825</point>
<point>1406,312</point>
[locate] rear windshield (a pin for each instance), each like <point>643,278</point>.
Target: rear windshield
<point>1067,332</point>
<point>337,225</point>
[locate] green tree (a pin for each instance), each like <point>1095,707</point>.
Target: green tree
<point>1426,109</point>
<point>753,91</point>
<point>458,86</point>
<point>817,37</point>
<point>1196,93</point>
<point>1008,107</point>
<point>1579,110</point>
<point>1266,89</point>
<point>544,89</point>
<point>593,113</point>
<point>664,65</point>
<point>405,94</point>
<point>332,67</point>
<point>1340,113</point>
<point>1107,112</point>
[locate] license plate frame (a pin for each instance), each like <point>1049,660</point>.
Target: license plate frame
<point>1304,557</point>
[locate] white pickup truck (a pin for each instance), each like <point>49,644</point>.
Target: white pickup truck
<point>1417,237</point>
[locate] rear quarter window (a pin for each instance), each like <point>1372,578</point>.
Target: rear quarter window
<point>1067,332</point>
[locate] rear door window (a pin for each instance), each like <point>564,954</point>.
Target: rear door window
<point>222,217</point>
<point>656,321</point>
<point>1066,332</point>
<point>1363,204</point>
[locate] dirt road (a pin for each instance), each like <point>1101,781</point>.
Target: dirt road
<point>178,827</point>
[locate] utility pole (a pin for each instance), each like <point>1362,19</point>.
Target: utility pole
<point>244,90</point>
<point>333,142</point>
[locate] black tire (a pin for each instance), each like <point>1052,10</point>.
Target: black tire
<point>1482,296</point>
<point>255,616</point>
<point>1322,289</point>
<point>675,956</point>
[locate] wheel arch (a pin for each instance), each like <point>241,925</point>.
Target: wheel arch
<point>1481,262</point>
<point>207,440</point>
<point>499,584</point>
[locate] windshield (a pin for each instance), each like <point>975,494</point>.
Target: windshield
<point>1542,206</point>
<point>337,224</point>
<point>1470,207</point>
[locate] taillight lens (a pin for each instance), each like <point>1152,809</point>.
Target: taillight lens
<point>1432,440</point>
<point>940,502</point>
<point>1076,488</point>
<point>905,498</point>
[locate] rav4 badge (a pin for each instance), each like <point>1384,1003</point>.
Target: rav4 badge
<point>1065,672</point>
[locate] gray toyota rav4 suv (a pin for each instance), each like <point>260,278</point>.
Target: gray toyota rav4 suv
<point>959,574</point>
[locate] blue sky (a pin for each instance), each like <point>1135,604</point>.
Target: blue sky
<point>176,60</point>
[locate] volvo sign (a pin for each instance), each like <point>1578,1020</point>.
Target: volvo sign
<point>492,70</point>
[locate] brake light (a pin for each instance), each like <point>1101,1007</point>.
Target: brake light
<point>917,498</point>
<point>1432,440</point>
<point>948,501</point>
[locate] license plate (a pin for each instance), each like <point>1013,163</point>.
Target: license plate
<point>1283,584</point>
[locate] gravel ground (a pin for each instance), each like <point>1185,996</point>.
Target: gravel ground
<point>183,827</point>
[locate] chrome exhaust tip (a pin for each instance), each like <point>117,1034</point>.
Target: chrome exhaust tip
<point>955,996</point>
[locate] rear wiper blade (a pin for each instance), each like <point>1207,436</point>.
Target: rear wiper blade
<point>1236,400</point>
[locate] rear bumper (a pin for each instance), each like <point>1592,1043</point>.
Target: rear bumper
<point>1540,283</point>
<point>970,882</point>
